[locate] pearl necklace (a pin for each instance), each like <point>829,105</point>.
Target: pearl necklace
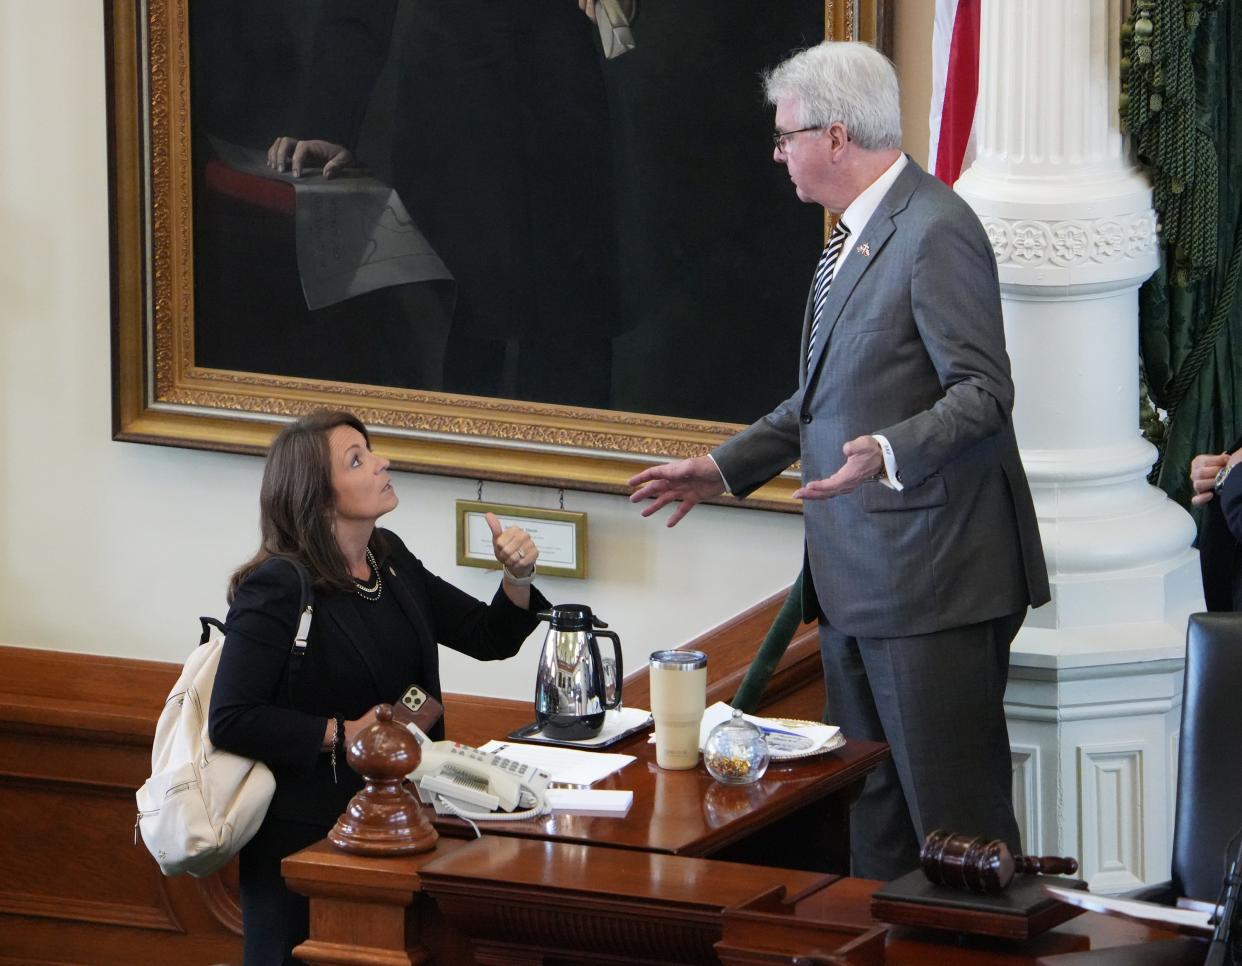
<point>374,591</point>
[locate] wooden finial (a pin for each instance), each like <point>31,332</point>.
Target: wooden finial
<point>384,818</point>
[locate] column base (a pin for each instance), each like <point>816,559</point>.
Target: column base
<point>1094,715</point>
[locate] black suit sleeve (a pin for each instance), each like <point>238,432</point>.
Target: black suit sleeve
<point>1230,497</point>
<point>486,632</point>
<point>254,664</point>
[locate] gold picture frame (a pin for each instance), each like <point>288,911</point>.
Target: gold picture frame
<point>161,396</point>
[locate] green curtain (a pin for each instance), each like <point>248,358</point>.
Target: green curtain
<point>1182,105</point>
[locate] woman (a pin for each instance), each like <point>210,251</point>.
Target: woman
<point>378,614</point>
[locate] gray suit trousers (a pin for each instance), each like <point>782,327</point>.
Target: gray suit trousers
<point>938,700</point>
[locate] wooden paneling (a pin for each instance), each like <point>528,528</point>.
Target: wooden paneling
<point>75,737</point>
<point>796,688</point>
<point>578,904</point>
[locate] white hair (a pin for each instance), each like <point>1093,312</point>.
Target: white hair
<point>843,81</point>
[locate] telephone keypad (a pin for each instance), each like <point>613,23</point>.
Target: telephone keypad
<point>508,764</point>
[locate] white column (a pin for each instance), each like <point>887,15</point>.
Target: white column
<point>1095,683</point>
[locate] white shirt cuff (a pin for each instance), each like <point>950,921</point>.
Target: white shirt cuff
<point>728,489</point>
<point>890,477</point>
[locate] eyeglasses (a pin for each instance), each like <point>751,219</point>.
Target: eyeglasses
<point>780,139</point>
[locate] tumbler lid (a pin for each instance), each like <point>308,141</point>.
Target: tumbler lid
<point>679,660</point>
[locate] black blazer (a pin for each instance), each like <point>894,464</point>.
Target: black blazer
<point>265,707</point>
<point>1220,544</point>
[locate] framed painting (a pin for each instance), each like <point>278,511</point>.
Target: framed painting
<point>515,259</point>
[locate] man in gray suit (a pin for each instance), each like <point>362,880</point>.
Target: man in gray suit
<point>922,550</point>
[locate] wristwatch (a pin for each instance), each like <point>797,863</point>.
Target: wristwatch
<point>1220,477</point>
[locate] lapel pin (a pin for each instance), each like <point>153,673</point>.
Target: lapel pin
<point>864,249</point>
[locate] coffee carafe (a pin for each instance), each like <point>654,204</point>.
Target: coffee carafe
<point>574,685</point>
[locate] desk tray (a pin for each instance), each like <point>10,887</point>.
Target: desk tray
<point>530,734</point>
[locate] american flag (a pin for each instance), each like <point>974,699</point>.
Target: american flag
<point>955,85</point>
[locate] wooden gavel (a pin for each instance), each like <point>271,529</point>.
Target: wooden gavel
<point>971,863</point>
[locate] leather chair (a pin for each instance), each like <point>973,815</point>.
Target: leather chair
<point>1209,774</point>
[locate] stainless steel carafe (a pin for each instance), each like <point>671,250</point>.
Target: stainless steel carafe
<point>574,685</point>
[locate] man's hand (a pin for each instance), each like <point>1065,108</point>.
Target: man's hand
<point>290,152</point>
<point>864,460</point>
<point>628,9</point>
<point>686,481</point>
<point>1203,470</point>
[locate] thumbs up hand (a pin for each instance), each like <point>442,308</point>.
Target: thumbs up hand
<point>514,548</point>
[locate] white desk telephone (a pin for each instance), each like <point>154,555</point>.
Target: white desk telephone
<point>463,781</point>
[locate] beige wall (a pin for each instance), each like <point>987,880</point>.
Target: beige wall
<point>912,55</point>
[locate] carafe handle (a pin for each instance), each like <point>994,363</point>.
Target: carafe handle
<point>615,701</point>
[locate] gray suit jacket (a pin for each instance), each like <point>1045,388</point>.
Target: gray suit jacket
<point>911,346</point>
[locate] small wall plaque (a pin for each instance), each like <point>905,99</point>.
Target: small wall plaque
<point>560,535</point>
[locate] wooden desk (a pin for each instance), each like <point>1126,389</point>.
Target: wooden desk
<point>520,902</point>
<point>527,902</point>
<point>375,910</point>
<point>689,813</point>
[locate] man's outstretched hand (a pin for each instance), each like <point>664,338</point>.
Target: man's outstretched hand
<point>685,482</point>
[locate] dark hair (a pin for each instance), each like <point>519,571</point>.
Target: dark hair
<point>296,502</point>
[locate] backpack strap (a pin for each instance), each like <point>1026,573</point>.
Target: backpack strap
<point>306,608</point>
<point>208,623</point>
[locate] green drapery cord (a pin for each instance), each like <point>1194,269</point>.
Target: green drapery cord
<point>1189,370</point>
<point>1179,78</point>
<point>1158,109</point>
<point>774,645</point>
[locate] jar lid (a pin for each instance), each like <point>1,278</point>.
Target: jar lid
<point>678,660</point>
<point>738,722</point>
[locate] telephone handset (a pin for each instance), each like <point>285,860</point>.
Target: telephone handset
<point>460,780</point>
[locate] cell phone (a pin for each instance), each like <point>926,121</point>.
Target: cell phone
<point>417,706</point>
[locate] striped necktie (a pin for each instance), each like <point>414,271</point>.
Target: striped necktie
<point>823,280</point>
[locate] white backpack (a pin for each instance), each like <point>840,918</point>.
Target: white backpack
<point>201,804</point>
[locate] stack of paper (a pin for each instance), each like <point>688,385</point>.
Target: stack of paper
<point>1193,921</point>
<point>566,766</point>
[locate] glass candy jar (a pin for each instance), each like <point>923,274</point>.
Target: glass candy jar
<point>736,752</point>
